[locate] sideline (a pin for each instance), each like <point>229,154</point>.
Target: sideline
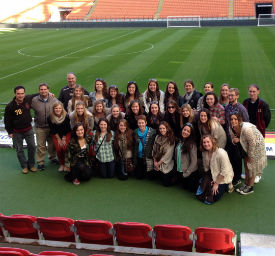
<point>68,54</point>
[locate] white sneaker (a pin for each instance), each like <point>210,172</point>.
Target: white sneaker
<point>257,179</point>
<point>61,168</point>
<point>243,176</point>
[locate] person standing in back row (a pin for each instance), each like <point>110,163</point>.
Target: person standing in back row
<point>67,92</point>
<point>17,121</point>
<point>258,109</point>
<point>42,106</point>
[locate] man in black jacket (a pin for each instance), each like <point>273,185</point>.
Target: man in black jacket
<point>17,121</point>
<point>67,92</point>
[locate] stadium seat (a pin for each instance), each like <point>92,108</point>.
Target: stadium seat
<point>57,253</point>
<point>56,228</point>
<point>214,240</point>
<point>94,231</point>
<point>173,237</point>
<point>133,234</point>
<point>20,225</point>
<point>1,233</point>
<point>101,255</point>
<point>11,253</point>
<point>11,249</point>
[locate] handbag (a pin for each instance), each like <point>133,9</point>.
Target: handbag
<point>129,165</point>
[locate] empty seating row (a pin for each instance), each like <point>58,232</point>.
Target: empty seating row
<point>11,251</point>
<point>133,234</point>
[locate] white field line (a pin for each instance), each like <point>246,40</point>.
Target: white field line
<point>20,51</point>
<point>68,54</point>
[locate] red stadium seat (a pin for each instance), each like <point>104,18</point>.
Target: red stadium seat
<point>20,225</point>
<point>57,228</point>
<point>1,233</point>
<point>101,255</point>
<point>57,253</point>
<point>133,234</point>
<point>214,240</point>
<point>11,253</point>
<point>10,249</point>
<point>94,231</point>
<point>173,237</point>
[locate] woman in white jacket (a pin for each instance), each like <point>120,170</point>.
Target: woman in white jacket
<point>218,171</point>
<point>251,143</point>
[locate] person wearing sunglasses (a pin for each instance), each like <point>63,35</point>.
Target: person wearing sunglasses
<point>173,117</point>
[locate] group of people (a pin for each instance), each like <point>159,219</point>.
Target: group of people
<point>196,140</point>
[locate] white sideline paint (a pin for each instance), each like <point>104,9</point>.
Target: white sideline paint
<point>20,51</point>
<point>68,54</point>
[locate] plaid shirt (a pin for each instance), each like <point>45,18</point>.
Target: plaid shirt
<point>218,111</point>
<point>105,153</point>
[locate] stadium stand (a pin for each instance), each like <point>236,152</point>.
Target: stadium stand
<point>204,9</point>
<point>246,8</point>
<point>102,235</point>
<point>124,9</point>
<point>46,10</point>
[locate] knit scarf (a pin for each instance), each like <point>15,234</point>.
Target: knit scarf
<point>57,120</point>
<point>179,157</point>
<point>159,147</point>
<point>188,96</point>
<point>142,141</point>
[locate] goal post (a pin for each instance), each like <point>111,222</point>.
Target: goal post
<point>266,20</point>
<point>183,21</point>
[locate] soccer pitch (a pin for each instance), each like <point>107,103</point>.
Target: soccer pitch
<point>235,55</point>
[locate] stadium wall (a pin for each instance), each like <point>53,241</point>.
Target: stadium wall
<point>118,24</point>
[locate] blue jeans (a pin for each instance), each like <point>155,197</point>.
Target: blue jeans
<point>18,145</point>
<point>107,170</point>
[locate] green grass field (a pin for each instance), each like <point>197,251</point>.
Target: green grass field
<point>238,56</point>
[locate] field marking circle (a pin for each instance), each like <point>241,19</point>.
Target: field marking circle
<point>151,46</point>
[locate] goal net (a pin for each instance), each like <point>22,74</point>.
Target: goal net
<point>266,20</point>
<point>183,21</point>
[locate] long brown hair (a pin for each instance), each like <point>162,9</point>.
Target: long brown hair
<point>98,131</point>
<point>104,90</point>
<point>81,119</point>
<point>174,96</point>
<point>150,96</point>
<point>188,143</point>
<point>209,121</point>
<point>169,134</point>
<point>149,117</point>
<point>97,102</point>
<point>119,97</point>
<point>128,133</point>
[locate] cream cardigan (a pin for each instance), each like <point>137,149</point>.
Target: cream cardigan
<point>219,164</point>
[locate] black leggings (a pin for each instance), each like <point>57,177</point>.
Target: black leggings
<point>79,171</point>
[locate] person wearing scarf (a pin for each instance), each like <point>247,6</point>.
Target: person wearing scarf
<point>60,131</point>
<point>163,151</point>
<point>144,137</point>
